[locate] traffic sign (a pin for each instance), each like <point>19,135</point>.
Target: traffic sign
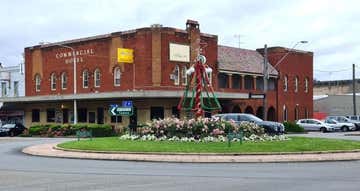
<point>115,110</point>
<point>127,103</point>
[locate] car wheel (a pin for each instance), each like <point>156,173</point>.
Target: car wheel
<point>344,128</point>
<point>323,129</point>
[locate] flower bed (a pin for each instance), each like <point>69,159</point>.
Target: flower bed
<point>202,129</point>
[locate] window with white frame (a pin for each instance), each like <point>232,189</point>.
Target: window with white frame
<point>97,78</point>
<point>16,88</point>
<point>184,76</point>
<point>117,76</point>
<point>296,84</point>
<point>176,75</point>
<point>3,89</point>
<point>85,76</point>
<point>63,81</point>
<point>53,81</point>
<point>306,85</point>
<point>285,83</point>
<point>37,82</point>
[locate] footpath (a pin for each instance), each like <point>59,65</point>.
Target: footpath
<point>50,150</point>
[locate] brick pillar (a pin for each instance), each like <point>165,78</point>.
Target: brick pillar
<point>254,88</point>
<point>116,42</point>
<point>230,81</point>
<point>156,55</point>
<point>193,29</point>
<point>242,81</point>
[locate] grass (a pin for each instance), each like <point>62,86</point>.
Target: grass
<point>295,144</point>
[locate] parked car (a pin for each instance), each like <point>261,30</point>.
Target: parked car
<point>343,126</point>
<point>314,125</point>
<point>14,129</point>
<point>343,119</point>
<point>353,117</point>
<point>270,127</point>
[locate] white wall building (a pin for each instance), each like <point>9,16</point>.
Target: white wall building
<point>12,84</point>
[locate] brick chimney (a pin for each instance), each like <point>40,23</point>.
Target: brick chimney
<point>193,29</point>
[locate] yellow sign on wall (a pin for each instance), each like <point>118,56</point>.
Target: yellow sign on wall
<point>125,55</point>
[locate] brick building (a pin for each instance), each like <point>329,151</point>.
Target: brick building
<point>156,79</point>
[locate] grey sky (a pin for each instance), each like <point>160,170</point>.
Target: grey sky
<point>331,27</point>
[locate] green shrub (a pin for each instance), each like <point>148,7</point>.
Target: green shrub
<point>293,127</point>
<point>38,130</point>
<point>101,130</point>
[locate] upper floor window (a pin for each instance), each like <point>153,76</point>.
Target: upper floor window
<point>249,82</point>
<point>117,76</point>
<point>184,76</point>
<point>296,84</point>
<point>53,81</point>
<point>37,82</point>
<point>85,76</point>
<point>63,81</point>
<point>285,83</point>
<point>236,81</point>
<point>97,78</point>
<point>306,85</point>
<point>3,89</point>
<point>223,80</point>
<point>176,75</point>
<point>16,88</point>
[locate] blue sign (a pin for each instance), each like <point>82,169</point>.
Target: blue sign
<point>127,103</point>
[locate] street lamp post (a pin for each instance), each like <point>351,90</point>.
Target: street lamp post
<point>75,81</point>
<point>266,73</point>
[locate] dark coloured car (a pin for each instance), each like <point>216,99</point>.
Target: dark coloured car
<point>270,127</point>
<point>12,129</point>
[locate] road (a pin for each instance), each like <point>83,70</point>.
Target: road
<point>22,172</point>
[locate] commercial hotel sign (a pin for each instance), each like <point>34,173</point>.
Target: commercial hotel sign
<point>179,52</point>
<point>68,55</point>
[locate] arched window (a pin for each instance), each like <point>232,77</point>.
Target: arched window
<point>97,78</point>
<point>53,81</point>
<point>184,76</point>
<point>176,75</point>
<point>63,81</point>
<point>296,112</point>
<point>37,82</point>
<point>306,113</point>
<point>296,84</point>
<point>117,76</point>
<point>285,113</point>
<point>306,85</point>
<point>285,83</point>
<point>85,76</point>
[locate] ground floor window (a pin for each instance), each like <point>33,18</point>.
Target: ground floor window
<point>82,115</point>
<point>175,112</point>
<point>92,117</point>
<point>116,119</point>
<point>50,115</point>
<point>156,113</point>
<point>35,115</point>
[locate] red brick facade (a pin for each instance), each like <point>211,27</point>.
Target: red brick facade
<point>152,67</point>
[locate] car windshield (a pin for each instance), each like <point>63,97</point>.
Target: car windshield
<point>254,118</point>
<point>344,119</point>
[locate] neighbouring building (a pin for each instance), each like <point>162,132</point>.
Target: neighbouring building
<point>335,87</point>
<point>327,105</point>
<point>12,86</point>
<point>156,79</point>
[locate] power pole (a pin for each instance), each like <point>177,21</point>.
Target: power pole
<point>354,93</point>
<point>265,82</point>
<point>238,36</point>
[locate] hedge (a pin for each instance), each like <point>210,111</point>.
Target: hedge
<point>51,130</point>
<point>293,127</point>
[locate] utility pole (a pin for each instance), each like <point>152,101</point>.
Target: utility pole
<point>265,82</point>
<point>354,93</point>
<point>238,36</point>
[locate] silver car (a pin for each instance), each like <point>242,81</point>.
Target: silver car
<point>343,126</point>
<point>314,125</point>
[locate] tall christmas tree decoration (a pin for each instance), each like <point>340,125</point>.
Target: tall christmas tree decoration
<point>199,94</point>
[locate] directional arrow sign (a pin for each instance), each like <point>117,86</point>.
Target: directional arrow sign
<point>120,111</point>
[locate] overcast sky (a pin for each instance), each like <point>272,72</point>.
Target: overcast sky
<point>331,27</point>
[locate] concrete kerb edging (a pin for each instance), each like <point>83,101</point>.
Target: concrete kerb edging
<point>50,150</point>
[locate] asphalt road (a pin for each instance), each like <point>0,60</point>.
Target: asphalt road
<point>22,172</point>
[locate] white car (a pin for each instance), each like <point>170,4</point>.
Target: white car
<point>343,126</point>
<point>314,125</point>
